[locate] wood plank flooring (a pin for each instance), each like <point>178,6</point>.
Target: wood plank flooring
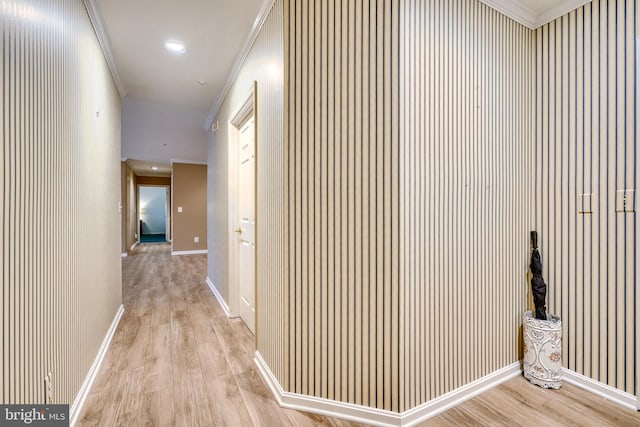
<point>177,360</point>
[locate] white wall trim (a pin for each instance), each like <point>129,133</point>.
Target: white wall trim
<point>237,66</point>
<point>221,300</point>
<point>124,254</point>
<point>202,251</point>
<point>188,162</point>
<point>522,14</point>
<point>103,40</point>
<point>76,408</point>
<point>514,10</point>
<point>469,391</point>
<point>637,223</point>
<point>379,417</point>
<point>562,8</point>
<point>600,389</point>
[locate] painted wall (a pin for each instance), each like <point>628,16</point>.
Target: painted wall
<point>189,188</point>
<point>264,66</point>
<point>61,237</point>
<point>158,132</point>
<point>129,207</point>
<point>153,210</point>
<point>586,144</point>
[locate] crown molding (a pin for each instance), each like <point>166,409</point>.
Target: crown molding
<point>237,65</point>
<point>103,40</point>
<point>187,162</point>
<point>559,10</point>
<point>514,10</point>
<point>522,14</point>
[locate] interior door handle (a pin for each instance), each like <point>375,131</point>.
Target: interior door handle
<point>238,230</point>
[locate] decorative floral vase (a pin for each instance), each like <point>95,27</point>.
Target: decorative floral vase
<point>543,350</point>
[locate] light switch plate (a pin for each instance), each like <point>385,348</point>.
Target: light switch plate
<point>585,204</point>
<point>179,209</point>
<point>626,200</point>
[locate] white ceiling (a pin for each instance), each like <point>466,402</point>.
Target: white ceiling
<point>217,35</point>
<point>214,32</point>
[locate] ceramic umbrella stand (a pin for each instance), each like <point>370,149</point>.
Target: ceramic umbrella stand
<point>543,350</point>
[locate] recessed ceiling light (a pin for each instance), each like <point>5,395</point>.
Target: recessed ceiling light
<point>175,46</point>
<point>155,168</point>
<point>202,82</point>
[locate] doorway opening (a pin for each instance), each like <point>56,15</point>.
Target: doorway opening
<point>153,202</point>
<point>242,211</point>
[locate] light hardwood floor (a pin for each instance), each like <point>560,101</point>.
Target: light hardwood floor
<point>177,360</point>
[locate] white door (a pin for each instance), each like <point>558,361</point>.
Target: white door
<point>246,224</point>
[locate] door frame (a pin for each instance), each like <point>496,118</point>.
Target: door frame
<point>247,109</point>
<point>637,214</point>
<point>167,207</point>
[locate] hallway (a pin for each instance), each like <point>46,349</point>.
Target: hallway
<point>176,359</point>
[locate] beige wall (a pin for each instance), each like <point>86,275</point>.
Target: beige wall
<point>129,208</point>
<point>585,144</point>
<point>189,183</point>
<point>61,279</point>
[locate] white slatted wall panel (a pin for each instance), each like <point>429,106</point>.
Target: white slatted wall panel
<point>466,173</point>
<point>341,148</point>
<point>586,144</point>
<point>60,181</point>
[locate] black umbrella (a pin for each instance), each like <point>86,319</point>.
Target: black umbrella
<point>538,287</point>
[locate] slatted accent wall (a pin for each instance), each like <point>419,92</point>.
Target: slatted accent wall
<point>586,144</point>
<point>264,65</point>
<point>60,180</point>
<point>342,192</point>
<point>466,116</point>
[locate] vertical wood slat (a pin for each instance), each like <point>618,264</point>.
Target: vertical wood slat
<point>464,225</point>
<point>344,292</point>
<point>591,259</point>
<point>61,286</point>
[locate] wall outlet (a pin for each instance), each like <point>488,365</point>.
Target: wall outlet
<point>196,239</point>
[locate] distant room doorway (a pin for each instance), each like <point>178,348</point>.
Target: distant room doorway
<point>153,203</point>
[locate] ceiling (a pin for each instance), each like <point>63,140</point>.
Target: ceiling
<point>166,95</point>
<point>143,168</point>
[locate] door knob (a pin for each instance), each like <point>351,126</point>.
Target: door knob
<point>239,230</point>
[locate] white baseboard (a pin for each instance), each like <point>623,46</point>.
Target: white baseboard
<point>124,254</point>
<point>204,251</point>
<point>221,300</point>
<point>600,389</point>
<point>447,401</point>
<point>76,408</point>
<point>379,417</point>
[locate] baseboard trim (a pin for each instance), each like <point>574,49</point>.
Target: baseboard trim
<point>76,408</point>
<point>204,251</point>
<point>379,417</point>
<point>221,300</point>
<point>603,390</point>
<point>453,398</point>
